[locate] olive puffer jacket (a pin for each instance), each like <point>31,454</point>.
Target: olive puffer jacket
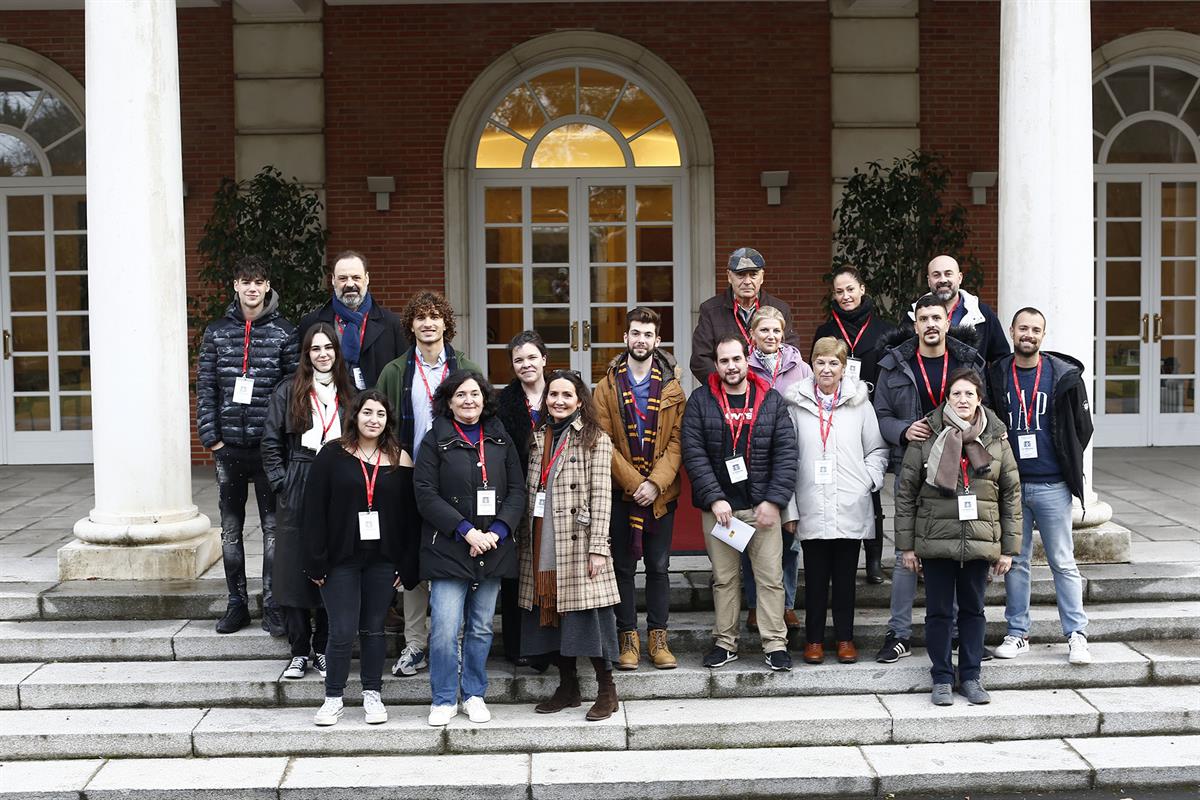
<point>927,520</point>
<point>273,355</point>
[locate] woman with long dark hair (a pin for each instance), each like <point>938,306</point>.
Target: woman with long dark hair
<point>359,517</point>
<point>305,413</point>
<point>568,587</point>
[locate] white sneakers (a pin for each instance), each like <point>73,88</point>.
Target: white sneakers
<point>330,712</point>
<point>477,710</point>
<point>374,711</point>
<point>441,715</point>
<point>1012,646</point>
<point>1078,645</point>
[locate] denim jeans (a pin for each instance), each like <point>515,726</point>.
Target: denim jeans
<point>791,564</point>
<point>656,554</point>
<point>947,583</point>
<point>455,606</point>
<point>235,470</point>
<point>357,594</point>
<point>1048,505</point>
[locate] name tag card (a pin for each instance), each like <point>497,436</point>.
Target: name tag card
<point>368,526</point>
<point>1027,445</point>
<point>485,502</point>
<point>359,381</point>
<point>823,471</point>
<point>853,368</point>
<point>539,504</point>
<point>243,390</point>
<point>737,469</point>
<point>968,507</point>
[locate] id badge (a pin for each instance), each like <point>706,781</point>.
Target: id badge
<point>359,382</point>
<point>737,469</point>
<point>823,471</point>
<point>485,502</point>
<point>368,526</point>
<point>968,507</point>
<point>1027,445</point>
<point>539,504</point>
<point>243,390</point>
<point>853,368</point>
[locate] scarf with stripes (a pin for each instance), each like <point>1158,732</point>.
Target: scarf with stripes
<point>641,447</point>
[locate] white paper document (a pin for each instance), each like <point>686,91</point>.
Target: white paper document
<point>737,535</point>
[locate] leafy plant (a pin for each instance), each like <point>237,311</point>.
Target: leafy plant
<point>270,217</point>
<point>892,221</point>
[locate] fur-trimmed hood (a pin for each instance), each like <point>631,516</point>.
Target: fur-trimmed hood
<point>900,346</point>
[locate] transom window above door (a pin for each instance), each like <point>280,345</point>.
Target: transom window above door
<point>40,135</point>
<point>576,118</point>
<point>1146,114</point>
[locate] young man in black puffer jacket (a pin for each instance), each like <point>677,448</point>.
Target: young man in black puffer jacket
<point>244,356</point>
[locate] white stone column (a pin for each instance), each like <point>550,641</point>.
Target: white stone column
<point>144,525</point>
<point>1045,182</point>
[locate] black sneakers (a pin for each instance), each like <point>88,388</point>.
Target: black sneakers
<point>236,617</point>
<point>779,661</point>
<point>272,621</point>
<point>719,657</point>
<point>893,649</point>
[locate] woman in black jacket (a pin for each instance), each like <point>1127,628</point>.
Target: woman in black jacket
<point>471,492</point>
<point>853,319</point>
<point>358,510</point>
<point>305,413</point>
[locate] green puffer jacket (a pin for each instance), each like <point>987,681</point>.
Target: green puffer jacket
<point>927,521</point>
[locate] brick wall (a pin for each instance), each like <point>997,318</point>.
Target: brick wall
<point>395,74</point>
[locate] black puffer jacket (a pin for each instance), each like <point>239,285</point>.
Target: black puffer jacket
<point>273,356</point>
<point>774,453</point>
<point>446,481</point>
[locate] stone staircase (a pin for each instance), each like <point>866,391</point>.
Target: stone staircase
<point>112,690</point>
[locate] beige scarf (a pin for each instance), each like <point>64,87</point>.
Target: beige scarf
<point>945,457</point>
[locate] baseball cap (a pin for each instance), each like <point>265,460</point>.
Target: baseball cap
<point>745,259</point>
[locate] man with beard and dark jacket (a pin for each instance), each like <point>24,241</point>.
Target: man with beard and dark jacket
<point>243,357</point>
<point>911,383</point>
<point>963,308</point>
<point>371,336</point>
<point>729,313</point>
<point>1042,398</point>
<point>853,320</point>
<point>641,405</point>
<point>739,449</point>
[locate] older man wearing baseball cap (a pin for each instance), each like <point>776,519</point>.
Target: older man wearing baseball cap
<point>729,312</point>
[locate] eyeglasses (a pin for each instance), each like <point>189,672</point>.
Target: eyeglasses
<point>562,373</point>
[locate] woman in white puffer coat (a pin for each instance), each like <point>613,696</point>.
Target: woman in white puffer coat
<point>842,460</point>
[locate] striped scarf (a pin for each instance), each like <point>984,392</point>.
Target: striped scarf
<point>641,447</point>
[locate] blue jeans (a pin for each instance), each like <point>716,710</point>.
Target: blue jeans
<point>954,593</point>
<point>791,564</point>
<point>357,595</point>
<point>1048,505</point>
<point>451,604</point>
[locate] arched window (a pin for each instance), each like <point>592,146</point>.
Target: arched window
<point>577,117</point>
<point>1146,114</point>
<point>40,134</point>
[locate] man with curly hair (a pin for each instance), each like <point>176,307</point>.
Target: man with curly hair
<point>409,382</point>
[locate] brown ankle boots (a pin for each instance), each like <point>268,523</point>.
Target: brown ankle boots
<point>567,693</point>
<point>606,694</point>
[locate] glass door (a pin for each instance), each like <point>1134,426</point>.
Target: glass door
<point>1174,320</point>
<point>45,381</point>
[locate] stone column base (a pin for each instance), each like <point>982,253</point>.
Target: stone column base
<point>184,560</point>
<point>1103,544</point>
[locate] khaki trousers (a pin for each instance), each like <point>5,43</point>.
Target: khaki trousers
<point>765,550</point>
<point>416,615</point>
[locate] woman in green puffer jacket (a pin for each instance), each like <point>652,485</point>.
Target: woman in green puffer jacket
<point>958,511</point>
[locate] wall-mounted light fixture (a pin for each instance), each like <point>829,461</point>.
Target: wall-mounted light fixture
<point>773,182</point>
<point>382,187</point>
<point>980,182</point>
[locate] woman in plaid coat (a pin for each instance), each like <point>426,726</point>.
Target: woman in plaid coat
<point>568,588</point>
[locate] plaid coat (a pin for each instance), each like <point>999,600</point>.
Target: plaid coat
<point>582,504</point>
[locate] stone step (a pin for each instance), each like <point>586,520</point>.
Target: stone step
<point>149,684</point>
<point>670,724</point>
<point>874,770</point>
<point>206,598</point>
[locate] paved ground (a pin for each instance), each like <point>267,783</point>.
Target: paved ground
<point>1152,491</point>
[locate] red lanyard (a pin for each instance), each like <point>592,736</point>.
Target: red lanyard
<point>420,369</point>
<point>529,409</point>
<point>735,432</point>
<point>362,330</point>
<point>738,319</point>
<point>1027,409</point>
<point>371,480</point>
<point>478,447</point>
<point>966,478</point>
<point>325,426</point>
<point>846,336</point>
<point>246,350</point>
<point>553,458</point>
<point>925,375</point>
<point>825,427</point>
<point>778,364</point>
<point>953,308</point>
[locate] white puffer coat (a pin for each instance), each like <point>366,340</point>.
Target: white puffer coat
<point>841,509</point>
